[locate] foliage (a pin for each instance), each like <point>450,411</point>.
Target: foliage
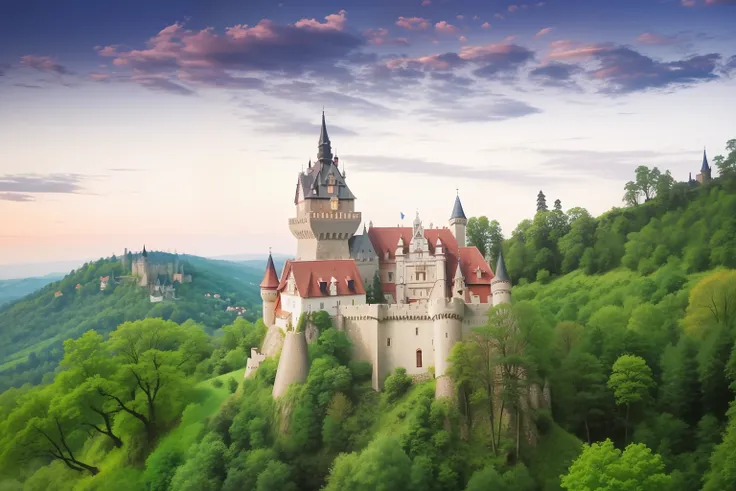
<point>486,236</point>
<point>602,467</point>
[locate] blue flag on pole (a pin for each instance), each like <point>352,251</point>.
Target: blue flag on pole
<point>402,216</point>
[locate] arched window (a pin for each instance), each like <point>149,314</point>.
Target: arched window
<point>388,341</point>
<point>419,358</point>
<point>334,203</point>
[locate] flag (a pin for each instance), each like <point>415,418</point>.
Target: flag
<point>402,216</point>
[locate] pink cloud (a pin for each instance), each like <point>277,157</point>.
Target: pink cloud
<point>460,17</point>
<point>513,8</point>
<point>657,39</point>
<point>688,3</point>
<point>566,49</point>
<point>485,25</point>
<point>380,37</point>
<point>542,32</point>
<point>99,77</point>
<point>426,3</point>
<point>475,17</point>
<point>333,22</point>
<point>413,23</point>
<point>498,16</point>
<point>445,28</point>
<point>43,64</point>
<point>541,4</point>
<point>462,39</point>
<point>510,38</point>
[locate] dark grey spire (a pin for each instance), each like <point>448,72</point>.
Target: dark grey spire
<point>501,273</point>
<point>705,167</point>
<point>457,210</point>
<point>325,149</point>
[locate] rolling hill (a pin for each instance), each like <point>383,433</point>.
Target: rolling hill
<point>33,329</point>
<point>18,288</point>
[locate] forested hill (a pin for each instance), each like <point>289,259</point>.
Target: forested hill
<point>33,329</point>
<point>18,288</point>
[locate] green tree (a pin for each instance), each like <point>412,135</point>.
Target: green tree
<point>541,202</point>
<point>383,465</point>
<point>602,467</point>
<point>486,236</point>
<point>630,381</point>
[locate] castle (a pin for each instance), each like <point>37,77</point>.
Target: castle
<point>436,287</point>
<point>158,277</point>
<point>704,175</point>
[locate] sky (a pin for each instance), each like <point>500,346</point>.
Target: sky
<point>183,124</point>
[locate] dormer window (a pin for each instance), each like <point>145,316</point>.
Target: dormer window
<point>334,203</point>
<point>330,184</point>
<point>351,284</point>
<point>478,272</point>
<point>322,286</point>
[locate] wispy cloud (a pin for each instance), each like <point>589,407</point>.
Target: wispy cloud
<point>20,197</point>
<point>35,183</point>
<point>652,38</point>
<point>413,23</point>
<point>480,112</point>
<point>43,64</point>
<point>542,32</point>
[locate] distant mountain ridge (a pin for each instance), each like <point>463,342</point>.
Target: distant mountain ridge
<point>33,328</point>
<point>18,288</point>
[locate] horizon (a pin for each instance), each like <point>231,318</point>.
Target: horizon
<point>183,127</point>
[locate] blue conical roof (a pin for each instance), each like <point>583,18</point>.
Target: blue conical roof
<point>501,273</point>
<point>457,209</point>
<point>705,167</point>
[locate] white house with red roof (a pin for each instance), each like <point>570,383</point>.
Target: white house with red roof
<point>436,288</point>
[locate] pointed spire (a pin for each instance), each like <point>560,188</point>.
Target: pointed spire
<point>144,253</point>
<point>325,150</point>
<point>310,164</point>
<point>458,271</point>
<point>705,167</point>
<point>270,278</point>
<point>457,209</point>
<point>501,273</point>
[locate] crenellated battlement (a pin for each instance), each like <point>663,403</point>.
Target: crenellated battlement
<point>386,312</point>
<point>442,308</point>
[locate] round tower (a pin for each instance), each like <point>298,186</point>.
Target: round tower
<point>501,283</point>
<point>269,292</point>
<point>447,323</point>
<point>293,363</point>
<point>458,221</point>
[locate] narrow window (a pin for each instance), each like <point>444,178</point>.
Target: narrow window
<point>334,203</point>
<point>353,301</point>
<point>388,341</point>
<point>416,331</point>
<point>390,276</point>
<point>321,306</point>
<point>419,358</point>
<point>445,335</point>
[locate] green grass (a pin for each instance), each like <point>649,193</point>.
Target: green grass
<point>552,456</point>
<point>393,421</point>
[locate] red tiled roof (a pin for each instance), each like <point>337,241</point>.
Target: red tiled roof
<point>270,279</point>
<point>308,273</point>
<point>387,239</point>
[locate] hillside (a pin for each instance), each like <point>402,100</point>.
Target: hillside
<point>18,288</point>
<point>627,318</point>
<point>33,329</point>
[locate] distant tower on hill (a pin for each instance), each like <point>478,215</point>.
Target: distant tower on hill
<point>501,283</point>
<point>458,221</point>
<point>705,170</point>
<point>325,208</point>
<point>140,268</point>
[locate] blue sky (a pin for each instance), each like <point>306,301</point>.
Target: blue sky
<point>183,125</point>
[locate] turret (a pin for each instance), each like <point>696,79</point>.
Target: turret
<point>447,326</point>
<point>501,283</point>
<point>269,292</point>
<point>293,363</point>
<point>705,170</point>
<point>458,221</point>
<point>458,283</point>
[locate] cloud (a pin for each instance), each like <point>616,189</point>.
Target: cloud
<point>444,27</point>
<point>20,197</point>
<point>125,169</point>
<point>426,3</point>
<point>481,112</point>
<point>652,38</point>
<point>34,183</point>
<point>380,37</point>
<point>491,61</point>
<point>612,165</point>
<point>623,70</point>
<point>413,23</point>
<point>485,25</point>
<point>408,165</point>
<point>512,8</point>
<point>177,56</point>
<point>542,32</point>
<point>556,74</point>
<point>462,39</point>
<point>43,64</point>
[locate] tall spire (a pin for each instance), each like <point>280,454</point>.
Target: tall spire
<point>705,167</point>
<point>325,150</point>
<point>270,277</point>
<point>457,209</point>
<point>144,253</point>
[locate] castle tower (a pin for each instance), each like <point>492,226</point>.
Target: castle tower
<point>140,268</point>
<point>705,170</point>
<point>268,292</point>
<point>325,208</point>
<point>293,363</point>
<point>447,325</point>
<point>501,283</point>
<point>458,221</point>
<point>458,282</point>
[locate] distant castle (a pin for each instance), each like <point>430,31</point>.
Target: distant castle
<point>159,277</point>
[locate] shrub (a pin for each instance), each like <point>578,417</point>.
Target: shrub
<point>396,384</point>
<point>217,383</point>
<point>232,385</point>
